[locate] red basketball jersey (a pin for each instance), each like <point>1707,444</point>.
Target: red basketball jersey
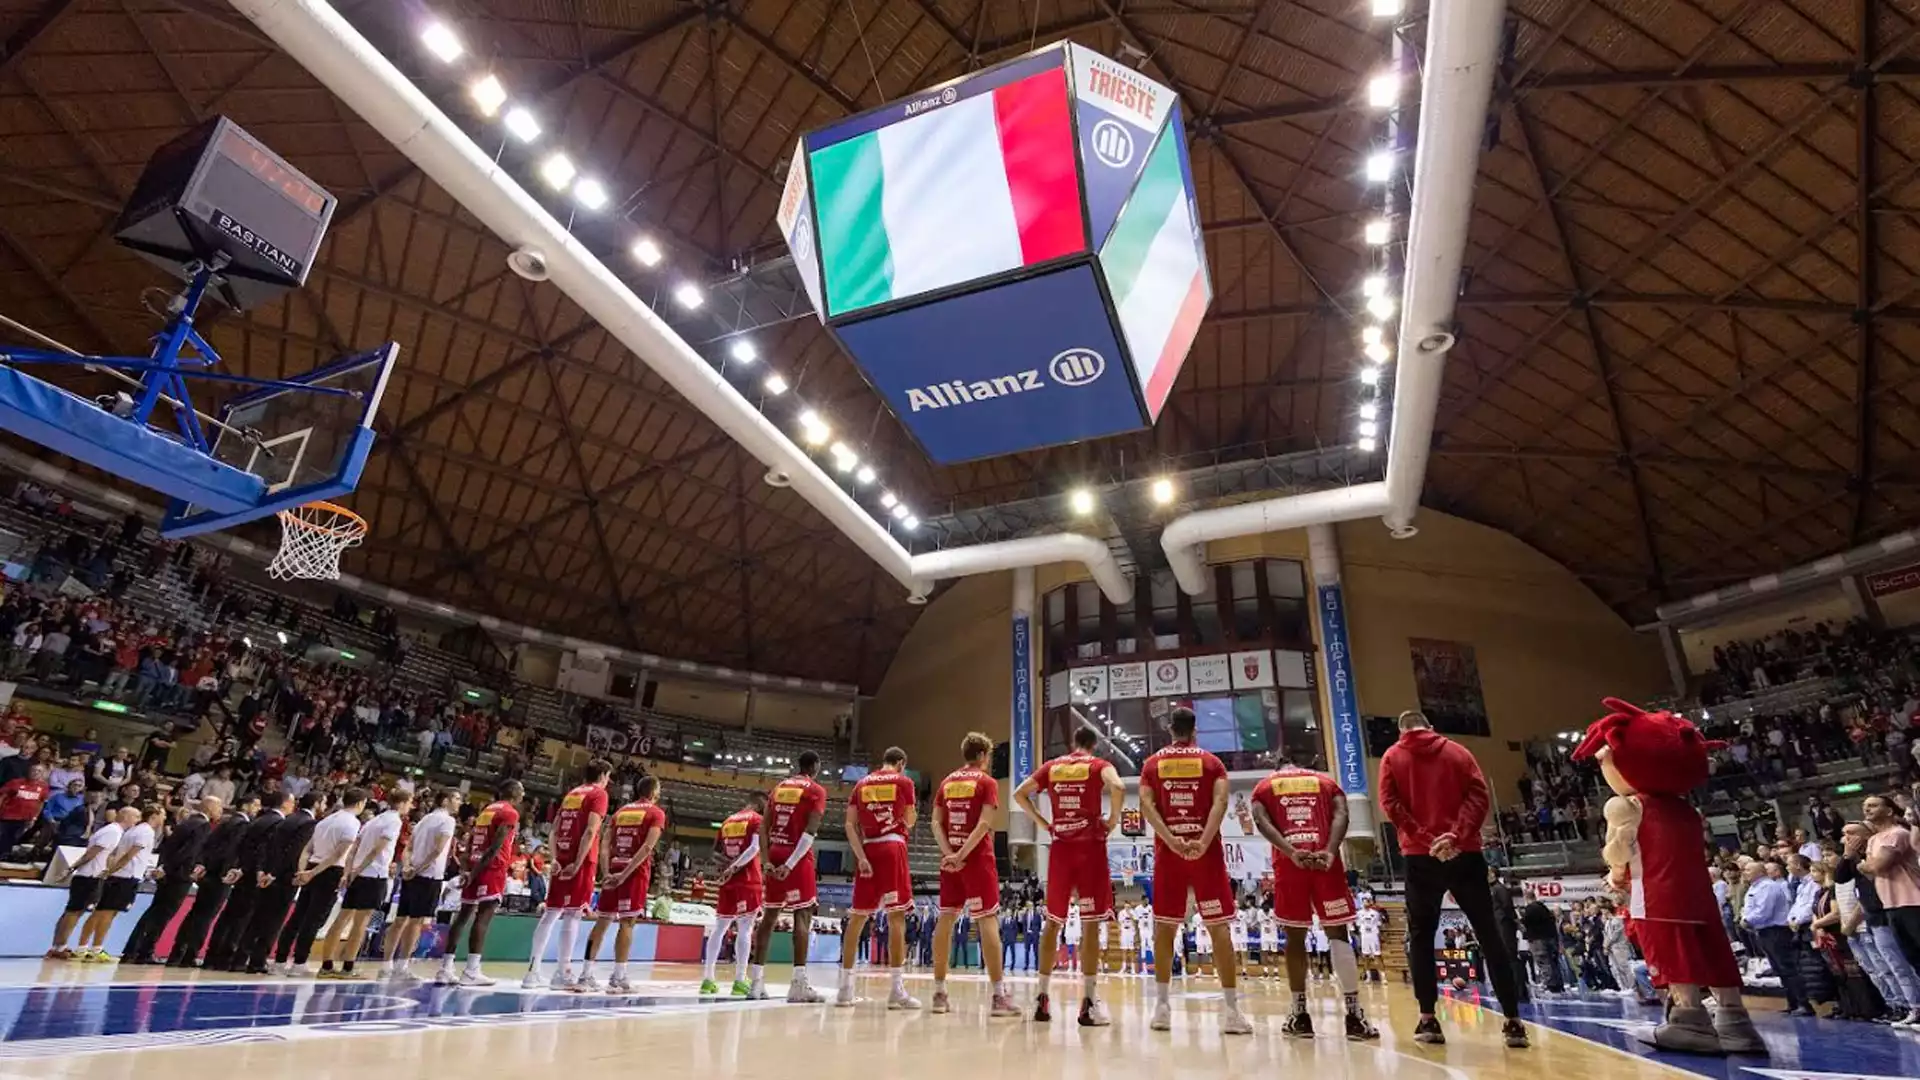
<point>965,795</point>
<point>570,822</point>
<point>880,803</point>
<point>1073,786</point>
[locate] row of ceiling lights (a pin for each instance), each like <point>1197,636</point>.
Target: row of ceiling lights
<point>1378,287</point>
<point>558,171</point>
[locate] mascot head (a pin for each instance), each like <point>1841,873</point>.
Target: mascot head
<point>1647,753</point>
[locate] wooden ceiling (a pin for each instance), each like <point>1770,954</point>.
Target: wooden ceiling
<point>1689,333</point>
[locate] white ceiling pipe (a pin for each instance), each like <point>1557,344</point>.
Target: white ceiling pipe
<point>320,40</point>
<point>1015,554</point>
<point>1463,50</point>
<point>1463,54</point>
<point>1185,538</point>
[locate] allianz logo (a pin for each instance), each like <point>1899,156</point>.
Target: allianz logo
<point>932,101</point>
<point>1072,367</point>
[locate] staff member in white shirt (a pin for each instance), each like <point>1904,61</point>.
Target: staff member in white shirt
<point>325,861</point>
<point>83,888</point>
<point>369,886</point>
<point>126,868</point>
<point>423,865</point>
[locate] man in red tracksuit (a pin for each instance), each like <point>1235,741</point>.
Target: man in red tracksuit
<point>1432,791</point>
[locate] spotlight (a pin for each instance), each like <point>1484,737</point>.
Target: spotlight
<point>591,194</point>
<point>1387,9</point>
<point>889,500</point>
<point>488,94</point>
<point>282,635</point>
<point>1367,445</point>
<point>1081,501</point>
<point>1383,90</point>
<point>1380,166</point>
<point>688,295</point>
<point>1372,335</point>
<point>1368,429</point>
<point>1162,491</point>
<point>744,352</point>
<point>911,523</point>
<point>1373,285</point>
<point>1369,410</point>
<point>814,429</point>
<point>522,125</point>
<point>557,171</point>
<point>442,42</point>
<point>900,512</point>
<point>1379,231</point>
<point>1381,307</point>
<point>1370,376</point>
<point>1378,352</point>
<point>646,252</point>
<point>775,384</point>
<point>866,475</point>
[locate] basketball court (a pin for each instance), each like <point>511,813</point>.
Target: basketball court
<point>73,1021</point>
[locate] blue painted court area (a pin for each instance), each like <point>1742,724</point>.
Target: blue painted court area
<point>48,1020</point>
<point>1811,1049</point>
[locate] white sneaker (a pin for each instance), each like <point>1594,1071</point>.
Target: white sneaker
<point>277,967</point>
<point>297,971</point>
<point>562,980</point>
<point>1162,1017</point>
<point>846,999</point>
<point>1098,1016</point>
<point>532,981</point>
<point>799,993</point>
<point>619,985</point>
<point>758,991</point>
<point>1234,1022</point>
<point>444,976</point>
<point>406,978</point>
<point>586,984</point>
<point>900,1000</point>
<point>475,978</point>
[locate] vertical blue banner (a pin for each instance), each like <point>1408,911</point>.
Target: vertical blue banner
<point>1349,742</point>
<point>1022,757</point>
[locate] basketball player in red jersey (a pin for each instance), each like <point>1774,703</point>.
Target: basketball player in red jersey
<point>1183,796</point>
<point>632,834</point>
<point>1303,814</point>
<point>794,812</point>
<point>576,867</point>
<point>963,821</point>
<point>880,813</point>
<point>489,850</point>
<point>741,894</point>
<point>1077,872</point>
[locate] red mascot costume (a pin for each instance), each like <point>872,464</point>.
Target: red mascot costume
<point>1656,847</point>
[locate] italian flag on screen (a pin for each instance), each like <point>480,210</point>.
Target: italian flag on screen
<point>1153,268</point>
<point>967,190</point>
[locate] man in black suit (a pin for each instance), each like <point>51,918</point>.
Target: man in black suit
<point>219,862</point>
<point>225,952</point>
<point>178,856</point>
<point>277,889</point>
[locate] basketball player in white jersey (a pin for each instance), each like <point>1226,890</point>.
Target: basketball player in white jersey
<point>1370,921</point>
<point>1129,947</point>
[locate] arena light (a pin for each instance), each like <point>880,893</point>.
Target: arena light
<point>488,94</point>
<point>743,351</point>
<point>442,42</point>
<point>866,475</point>
<point>889,500</point>
<point>1387,9</point>
<point>1381,307</point>
<point>1367,446</point>
<point>1379,231</point>
<point>844,459</point>
<point>1372,335</point>
<point>1368,429</point>
<point>646,252</point>
<point>775,384</point>
<point>910,523</point>
<point>813,429</point>
<point>900,512</point>
<point>591,194</point>
<point>1081,501</point>
<point>558,171</point>
<point>688,295</point>
<point>1369,410</point>
<point>1162,491</point>
<point>282,635</point>
<point>522,124</point>
<point>1378,352</point>
<point>1380,166</point>
<point>1370,376</point>
<point>1383,90</point>
<point>1373,285</point>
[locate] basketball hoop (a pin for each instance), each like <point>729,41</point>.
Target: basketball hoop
<point>311,540</point>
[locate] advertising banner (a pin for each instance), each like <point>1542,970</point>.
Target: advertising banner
<point>1023,747</point>
<point>1349,735</point>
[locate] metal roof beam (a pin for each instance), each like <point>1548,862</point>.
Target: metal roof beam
<point>1867,247</point>
<point>35,28</point>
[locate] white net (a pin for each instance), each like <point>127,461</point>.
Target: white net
<point>311,540</point>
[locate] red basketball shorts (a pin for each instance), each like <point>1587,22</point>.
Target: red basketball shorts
<point>1078,870</point>
<point>887,887</point>
<point>974,888</point>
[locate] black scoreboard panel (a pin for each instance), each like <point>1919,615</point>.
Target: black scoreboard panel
<point>219,191</point>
